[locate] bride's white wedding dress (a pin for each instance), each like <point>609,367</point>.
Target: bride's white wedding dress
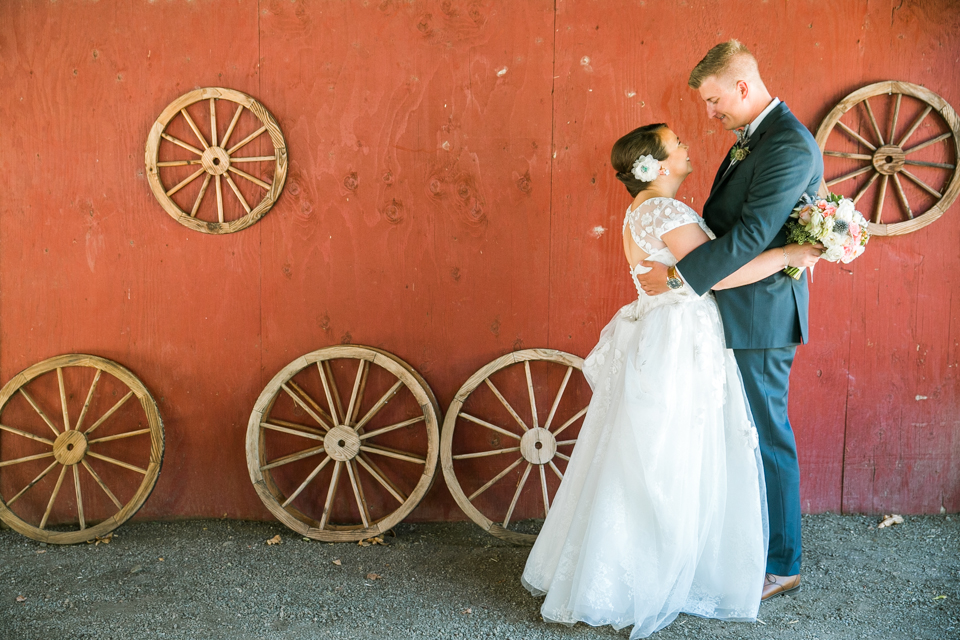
<point>662,508</point>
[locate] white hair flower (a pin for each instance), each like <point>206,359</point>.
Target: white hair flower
<point>647,168</point>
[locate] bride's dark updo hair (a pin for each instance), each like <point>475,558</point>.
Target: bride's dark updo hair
<point>642,141</point>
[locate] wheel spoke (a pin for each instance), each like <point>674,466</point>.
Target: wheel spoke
<point>37,408</point>
<point>76,484</point>
<point>398,425</point>
<point>361,505</point>
<point>203,191</point>
<point>26,434</point>
<point>564,443</point>
<point>43,474</point>
<point>119,463</point>
<point>103,485</point>
<point>303,405</point>
<point>53,497</point>
<point>924,145</point>
<point>496,478</point>
<point>506,404</point>
<point>913,127</point>
<point>939,165</point>
<point>873,122</point>
<point>63,400</point>
<point>252,159</point>
<point>213,122</point>
<point>556,470</point>
<point>326,391</point>
<point>109,413</point>
<point>381,403</point>
<point>516,494</point>
<point>37,456</point>
<point>543,486</point>
<point>850,156</point>
<point>193,176</point>
<point>484,454</point>
<point>556,401</point>
<point>896,114</point>
<point>560,455</point>
<point>313,403</point>
<point>236,190</point>
<point>864,188</point>
<point>295,425</point>
<point>852,174</point>
<point>179,163</point>
<point>330,493</point>
<point>856,136</point>
<point>233,123</point>
<point>484,423</point>
<point>86,404</point>
<point>293,457</point>
<point>246,140</point>
<point>356,396</point>
<point>381,477</point>
<point>881,195</point>
<point>303,485</point>
<point>293,432</point>
<point>394,453</point>
<point>193,126</point>
<point>219,200</point>
<point>533,398</point>
<point>569,422</point>
<point>120,436</point>
<point>181,143</point>
<point>244,174</point>
<point>903,197</point>
<point>920,183</point>
<point>336,392</point>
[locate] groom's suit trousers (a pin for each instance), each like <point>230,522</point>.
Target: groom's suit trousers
<point>766,377</point>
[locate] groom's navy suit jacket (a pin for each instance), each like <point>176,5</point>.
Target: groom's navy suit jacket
<point>747,210</point>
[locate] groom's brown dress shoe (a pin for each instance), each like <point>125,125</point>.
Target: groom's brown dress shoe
<point>774,585</point>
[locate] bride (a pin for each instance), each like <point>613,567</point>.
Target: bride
<point>662,507</point>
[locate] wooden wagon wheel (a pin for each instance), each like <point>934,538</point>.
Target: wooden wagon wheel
<point>216,158</point>
<point>888,155</point>
<point>532,445</point>
<point>311,496</point>
<point>131,435</point>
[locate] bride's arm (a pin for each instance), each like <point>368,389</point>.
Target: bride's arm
<point>685,239</point>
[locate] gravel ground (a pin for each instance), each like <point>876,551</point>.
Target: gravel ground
<point>219,579</point>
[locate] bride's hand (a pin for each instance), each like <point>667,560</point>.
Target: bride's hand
<point>803,255</point>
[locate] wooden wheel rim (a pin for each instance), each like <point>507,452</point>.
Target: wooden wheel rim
<point>215,161</point>
<point>155,426</point>
<point>887,159</point>
<point>337,446</point>
<point>528,452</point>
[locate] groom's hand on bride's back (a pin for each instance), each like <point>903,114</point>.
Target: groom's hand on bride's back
<point>654,281</point>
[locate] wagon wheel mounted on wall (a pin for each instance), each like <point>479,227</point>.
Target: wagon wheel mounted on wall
<point>71,416</point>
<point>531,446</point>
<point>194,150</point>
<point>888,143</point>
<point>343,443</point>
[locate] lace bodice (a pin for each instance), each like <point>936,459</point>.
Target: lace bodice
<point>650,221</point>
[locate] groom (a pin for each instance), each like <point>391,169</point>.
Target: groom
<point>774,162</point>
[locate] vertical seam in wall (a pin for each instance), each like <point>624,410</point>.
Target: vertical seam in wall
<point>260,226</point>
<point>552,159</point>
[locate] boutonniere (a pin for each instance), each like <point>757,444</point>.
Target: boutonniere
<point>740,150</point>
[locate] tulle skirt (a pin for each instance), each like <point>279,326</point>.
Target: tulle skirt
<point>662,507</point>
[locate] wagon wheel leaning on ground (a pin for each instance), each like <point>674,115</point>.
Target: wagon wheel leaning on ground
<point>302,422</point>
<point>894,155</point>
<point>125,452</point>
<point>216,157</point>
<point>537,443</point>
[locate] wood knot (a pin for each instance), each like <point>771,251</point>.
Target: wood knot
<point>523,183</point>
<point>394,211</point>
<point>350,181</point>
<point>423,25</point>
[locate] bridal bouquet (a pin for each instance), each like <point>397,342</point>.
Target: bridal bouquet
<point>833,222</point>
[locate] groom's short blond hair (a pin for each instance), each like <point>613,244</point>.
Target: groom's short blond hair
<point>730,60</point>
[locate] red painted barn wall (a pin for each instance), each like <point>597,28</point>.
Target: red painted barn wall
<point>449,200</point>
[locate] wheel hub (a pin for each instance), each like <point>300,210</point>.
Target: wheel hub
<point>342,443</point>
<point>888,159</point>
<point>215,160</point>
<point>538,446</point>
<point>70,447</point>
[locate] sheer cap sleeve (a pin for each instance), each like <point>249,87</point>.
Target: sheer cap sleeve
<point>656,217</point>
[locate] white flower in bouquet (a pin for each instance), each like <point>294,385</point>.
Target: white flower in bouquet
<point>832,221</point>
